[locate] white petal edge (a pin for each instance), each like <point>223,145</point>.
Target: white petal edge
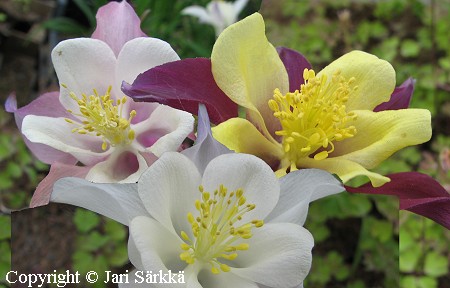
<point>279,255</point>
<point>139,55</point>
<point>119,202</point>
<point>298,189</point>
<point>56,133</point>
<point>224,280</point>
<point>178,124</point>
<point>83,64</point>
<point>108,171</point>
<point>158,247</point>
<point>199,12</point>
<point>239,6</point>
<point>169,189</point>
<point>253,175</point>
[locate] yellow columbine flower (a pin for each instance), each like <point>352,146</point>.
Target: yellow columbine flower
<point>327,123</point>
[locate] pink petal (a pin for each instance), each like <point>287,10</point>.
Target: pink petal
<point>183,85</point>
<point>58,170</point>
<point>45,105</point>
<point>295,63</point>
<point>417,192</point>
<point>400,98</point>
<point>117,23</point>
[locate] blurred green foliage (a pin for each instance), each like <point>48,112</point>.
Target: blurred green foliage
<point>101,245</point>
<point>359,238</point>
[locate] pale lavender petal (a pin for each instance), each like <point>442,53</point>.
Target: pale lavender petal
<point>206,147</point>
<point>117,23</point>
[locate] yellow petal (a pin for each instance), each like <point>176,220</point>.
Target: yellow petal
<point>248,69</point>
<point>380,134</point>
<point>374,77</point>
<point>241,136</point>
<point>345,169</point>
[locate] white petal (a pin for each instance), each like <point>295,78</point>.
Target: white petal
<point>158,247</point>
<point>248,172</point>
<point>56,133</point>
<point>116,201</point>
<point>279,255</point>
<point>123,165</point>
<point>133,281</point>
<point>298,189</point>
<point>239,6</point>
<point>83,64</point>
<point>171,125</point>
<point>139,55</point>
<point>223,12</point>
<point>169,189</point>
<point>224,280</point>
<point>199,12</point>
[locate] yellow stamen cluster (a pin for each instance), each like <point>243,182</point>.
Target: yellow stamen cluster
<point>314,117</point>
<point>216,229</point>
<point>103,118</point>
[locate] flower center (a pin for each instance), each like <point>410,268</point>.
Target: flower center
<point>314,117</point>
<point>216,230</point>
<point>101,117</point>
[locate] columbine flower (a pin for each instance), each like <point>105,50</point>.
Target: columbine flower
<point>226,222</point>
<point>327,123</point>
<point>219,14</point>
<point>296,118</point>
<point>92,122</point>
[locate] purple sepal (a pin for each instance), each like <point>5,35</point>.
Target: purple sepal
<point>400,98</point>
<point>295,63</point>
<point>183,85</point>
<point>417,192</point>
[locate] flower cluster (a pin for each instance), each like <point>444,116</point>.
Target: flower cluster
<point>229,210</point>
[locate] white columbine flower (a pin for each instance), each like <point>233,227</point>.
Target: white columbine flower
<point>228,222</point>
<point>230,227</point>
<point>219,14</point>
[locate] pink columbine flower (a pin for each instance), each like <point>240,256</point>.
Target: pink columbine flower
<point>90,121</point>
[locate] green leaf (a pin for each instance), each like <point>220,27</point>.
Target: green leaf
<point>382,230</point>
<point>5,227</point>
<point>87,11</point>
<point>408,260</point>
<point>436,265</point>
<point>82,261</point>
<point>409,48</point>
<point>92,241</point>
<point>119,256</point>
<point>14,170</point>
<point>65,25</point>
<point>85,220</point>
<point>427,282</point>
<point>115,230</point>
